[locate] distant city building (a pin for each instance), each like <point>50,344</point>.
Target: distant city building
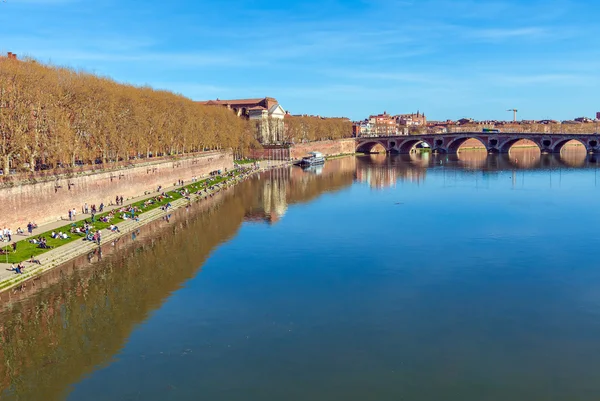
<point>267,113</point>
<point>598,115</point>
<point>11,55</point>
<point>583,120</point>
<point>383,124</point>
<point>410,120</point>
<point>363,128</point>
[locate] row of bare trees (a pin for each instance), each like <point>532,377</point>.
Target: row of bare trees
<point>311,128</point>
<point>58,116</point>
<point>61,117</point>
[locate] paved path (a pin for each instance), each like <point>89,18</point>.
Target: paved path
<point>62,254</point>
<point>82,216</point>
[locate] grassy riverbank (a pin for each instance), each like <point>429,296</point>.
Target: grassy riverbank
<point>26,249</point>
<point>246,161</point>
<point>340,156</point>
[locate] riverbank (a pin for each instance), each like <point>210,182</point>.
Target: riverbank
<point>340,156</point>
<point>176,197</point>
<point>46,200</point>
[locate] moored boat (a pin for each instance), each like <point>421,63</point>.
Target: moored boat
<point>314,158</point>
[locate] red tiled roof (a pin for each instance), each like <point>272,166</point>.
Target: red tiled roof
<point>240,102</point>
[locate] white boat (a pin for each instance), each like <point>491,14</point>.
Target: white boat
<point>313,159</point>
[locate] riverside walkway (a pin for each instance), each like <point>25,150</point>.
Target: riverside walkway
<point>68,251</point>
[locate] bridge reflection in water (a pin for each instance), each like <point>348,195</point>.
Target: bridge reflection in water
<point>384,170</point>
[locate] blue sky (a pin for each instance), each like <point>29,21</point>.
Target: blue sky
<point>450,59</point>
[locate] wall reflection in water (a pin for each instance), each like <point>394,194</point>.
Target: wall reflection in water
<point>63,326</point>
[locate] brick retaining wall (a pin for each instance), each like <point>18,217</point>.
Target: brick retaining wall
<point>299,150</point>
<point>48,201</point>
<point>328,148</point>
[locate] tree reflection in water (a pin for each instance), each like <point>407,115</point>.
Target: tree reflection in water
<point>76,318</point>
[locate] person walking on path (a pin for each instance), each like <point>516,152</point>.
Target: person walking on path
<point>101,207</point>
<point>30,228</point>
<point>85,208</point>
<point>70,215</point>
<point>99,236</point>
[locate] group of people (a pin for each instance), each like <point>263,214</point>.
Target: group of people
<point>86,230</point>
<point>41,242</point>
<point>92,209</point>
<point>6,235</point>
<point>59,235</point>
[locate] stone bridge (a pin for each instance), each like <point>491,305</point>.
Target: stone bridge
<point>493,142</point>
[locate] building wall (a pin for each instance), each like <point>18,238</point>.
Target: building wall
<point>48,201</point>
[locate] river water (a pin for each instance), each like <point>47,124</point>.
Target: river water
<point>378,277</point>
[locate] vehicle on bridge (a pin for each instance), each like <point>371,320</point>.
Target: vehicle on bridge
<point>491,130</point>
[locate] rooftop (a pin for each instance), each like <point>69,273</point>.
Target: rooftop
<point>239,102</point>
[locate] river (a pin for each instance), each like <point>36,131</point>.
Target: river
<point>413,277</point>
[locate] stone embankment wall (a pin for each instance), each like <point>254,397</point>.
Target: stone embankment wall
<point>48,201</point>
<point>299,150</point>
<point>328,148</point>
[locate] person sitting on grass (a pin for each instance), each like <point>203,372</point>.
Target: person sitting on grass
<point>43,244</point>
<point>14,247</point>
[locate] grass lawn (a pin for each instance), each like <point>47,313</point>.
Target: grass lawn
<point>246,161</point>
<point>25,249</point>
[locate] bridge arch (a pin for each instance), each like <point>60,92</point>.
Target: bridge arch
<point>559,146</point>
<point>369,146</point>
<point>505,146</point>
<point>408,145</point>
<point>456,143</point>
